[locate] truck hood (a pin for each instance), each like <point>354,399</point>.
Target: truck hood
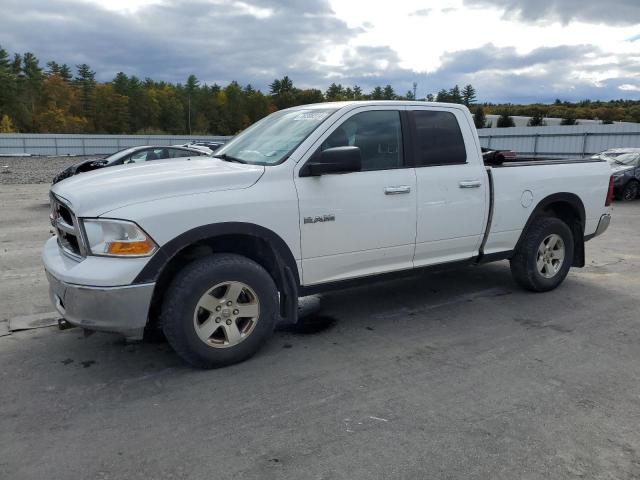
<point>98,192</point>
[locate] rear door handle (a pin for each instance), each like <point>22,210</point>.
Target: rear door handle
<point>397,190</point>
<point>470,184</point>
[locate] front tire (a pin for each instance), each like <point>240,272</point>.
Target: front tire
<point>544,257</point>
<point>219,310</point>
<point>630,191</point>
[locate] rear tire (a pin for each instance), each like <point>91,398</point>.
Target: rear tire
<point>219,310</point>
<point>630,191</point>
<point>544,257</point>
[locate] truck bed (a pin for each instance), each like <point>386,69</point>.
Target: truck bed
<point>516,189</point>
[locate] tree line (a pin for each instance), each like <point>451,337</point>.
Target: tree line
<point>57,98</point>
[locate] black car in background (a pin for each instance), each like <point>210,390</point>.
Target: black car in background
<point>130,155</point>
<point>626,176</point>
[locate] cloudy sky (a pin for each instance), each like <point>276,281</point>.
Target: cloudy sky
<point>510,50</point>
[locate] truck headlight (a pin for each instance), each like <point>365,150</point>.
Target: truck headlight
<point>117,238</point>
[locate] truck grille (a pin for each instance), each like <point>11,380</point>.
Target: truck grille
<point>67,228</point>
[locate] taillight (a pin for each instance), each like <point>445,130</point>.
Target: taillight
<point>609,193</point>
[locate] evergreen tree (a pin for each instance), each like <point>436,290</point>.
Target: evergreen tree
<point>388,93</point>
<point>377,94</point>
<point>468,95</point>
<point>85,80</point>
<point>335,93</point>
<point>504,121</point>
<point>65,72</point>
<point>53,68</point>
<point>479,118</point>
<point>454,95</point>
<point>7,85</point>
<point>121,83</point>
<point>443,96</point>
<point>537,119</point>
<point>31,86</point>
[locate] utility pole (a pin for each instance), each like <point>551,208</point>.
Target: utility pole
<point>415,86</point>
<point>189,114</point>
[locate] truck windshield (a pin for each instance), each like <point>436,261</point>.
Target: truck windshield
<point>271,140</point>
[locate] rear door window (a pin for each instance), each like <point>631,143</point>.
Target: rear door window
<point>437,138</point>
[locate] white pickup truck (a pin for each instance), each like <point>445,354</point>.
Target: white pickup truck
<point>217,251</point>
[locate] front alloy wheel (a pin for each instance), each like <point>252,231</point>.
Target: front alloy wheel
<point>226,314</point>
<point>219,310</point>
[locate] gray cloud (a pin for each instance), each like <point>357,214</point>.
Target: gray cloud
<point>223,41</point>
<point>490,57</point>
<point>619,12</point>
<point>218,42</point>
<point>503,75</point>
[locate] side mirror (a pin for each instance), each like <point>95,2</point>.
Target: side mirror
<point>333,160</point>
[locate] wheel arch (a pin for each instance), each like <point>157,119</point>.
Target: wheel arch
<point>258,243</point>
<point>569,208</point>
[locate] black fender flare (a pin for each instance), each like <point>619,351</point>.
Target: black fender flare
<point>289,278</point>
<point>578,229</point>
<point>163,256</point>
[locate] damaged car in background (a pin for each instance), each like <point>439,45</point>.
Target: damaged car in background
<point>139,154</point>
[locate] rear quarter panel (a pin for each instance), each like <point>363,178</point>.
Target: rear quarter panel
<point>513,204</point>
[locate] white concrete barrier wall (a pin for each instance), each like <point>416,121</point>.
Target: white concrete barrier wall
<point>561,141</point>
<point>62,144</point>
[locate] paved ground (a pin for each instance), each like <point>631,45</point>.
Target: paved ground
<point>452,375</point>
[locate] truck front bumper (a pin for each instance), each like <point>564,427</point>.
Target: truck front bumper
<point>96,293</point>
<point>122,309</point>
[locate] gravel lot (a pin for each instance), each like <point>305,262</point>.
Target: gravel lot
<point>441,376</point>
<point>24,170</point>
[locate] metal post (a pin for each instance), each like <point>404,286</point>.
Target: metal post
<point>55,142</point>
<point>584,143</point>
<point>535,145</point>
<point>84,149</point>
<point>489,142</point>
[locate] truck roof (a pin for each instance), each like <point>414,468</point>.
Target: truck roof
<point>366,103</point>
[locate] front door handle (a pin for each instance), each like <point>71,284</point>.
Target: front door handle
<point>470,184</point>
<point>397,190</point>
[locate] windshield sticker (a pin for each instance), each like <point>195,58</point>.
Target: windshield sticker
<point>310,116</point>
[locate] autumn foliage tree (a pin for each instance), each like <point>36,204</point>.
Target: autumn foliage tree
<point>59,98</point>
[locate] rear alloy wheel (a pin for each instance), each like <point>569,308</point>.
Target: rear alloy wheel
<point>544,256</point>
<point>630,191</point>
<point>550,256</point>
<point>219,310</point>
